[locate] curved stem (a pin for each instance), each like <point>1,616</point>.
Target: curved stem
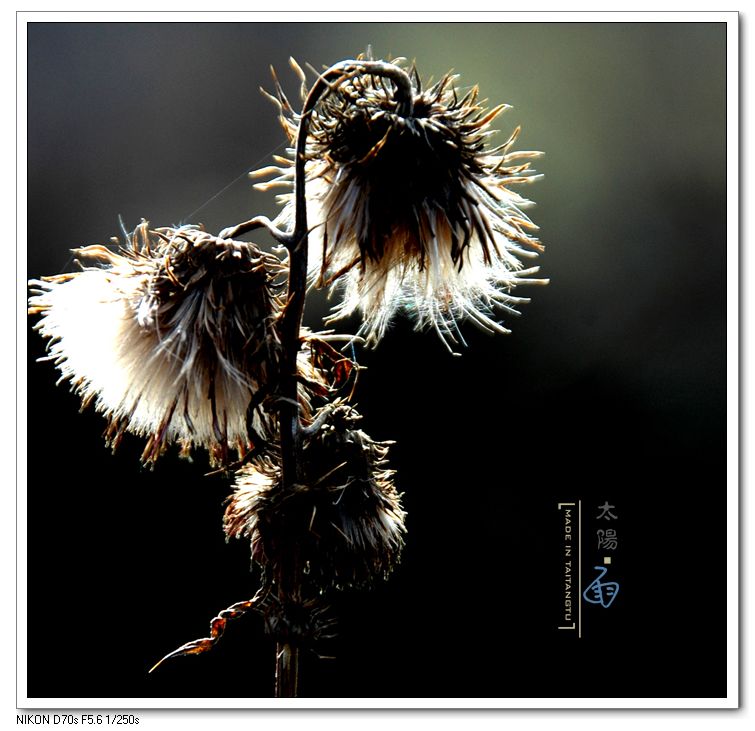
<point>287,659</point>
<point>346,69</point>
<point>257,222</point>
<point>297,243</point>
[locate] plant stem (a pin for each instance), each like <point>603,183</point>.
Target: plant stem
<point>287,656</point>
<point>286,671</point>
<point>297,243</point>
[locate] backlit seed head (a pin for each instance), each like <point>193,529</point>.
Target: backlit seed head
<point>412,213</point>
<point>171,337</point>
<point>342,525</point>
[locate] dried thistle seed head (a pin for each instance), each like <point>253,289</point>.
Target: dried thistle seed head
<point>171,337</point>
<point>413,213</point>
<point>342,525</point>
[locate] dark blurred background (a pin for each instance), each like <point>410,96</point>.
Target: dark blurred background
<point>610,388</point>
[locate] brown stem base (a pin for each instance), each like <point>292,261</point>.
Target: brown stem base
<point>286,671</point>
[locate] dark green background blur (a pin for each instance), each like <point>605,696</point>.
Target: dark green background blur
<point>611,387</point>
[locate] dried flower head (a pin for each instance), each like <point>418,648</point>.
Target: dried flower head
<point>408,209</point>
<point>171,337</point>
<point>341,525</point>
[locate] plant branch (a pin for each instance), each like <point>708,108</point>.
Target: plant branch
<point>296,241</point>
<point>254,223</point>
<point>286,671</point>
<point>297,244</point>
